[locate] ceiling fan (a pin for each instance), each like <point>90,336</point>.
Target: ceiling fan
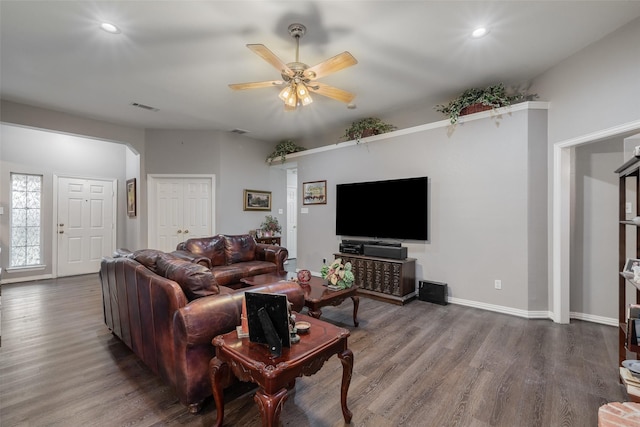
<point>298,79</point>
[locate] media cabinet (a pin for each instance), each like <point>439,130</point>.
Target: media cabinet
<point>391,280</point>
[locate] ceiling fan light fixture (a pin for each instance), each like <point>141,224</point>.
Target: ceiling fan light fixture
<point>292,100</point>
<point>284,93</point>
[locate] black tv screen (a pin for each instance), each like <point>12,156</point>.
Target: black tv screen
<point>394,209</point>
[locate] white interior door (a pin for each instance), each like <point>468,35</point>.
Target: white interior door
<point>180,208</point>
<point>292,222</point>
<point>85,226</point>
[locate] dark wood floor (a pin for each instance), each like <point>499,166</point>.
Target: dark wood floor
<point>417,365</point>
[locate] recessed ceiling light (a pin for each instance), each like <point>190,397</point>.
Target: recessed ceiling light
<point>109,28</point>
<point>479,32</point>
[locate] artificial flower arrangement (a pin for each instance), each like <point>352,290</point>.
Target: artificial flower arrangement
<point>271,225</point>
<point>338,275</point>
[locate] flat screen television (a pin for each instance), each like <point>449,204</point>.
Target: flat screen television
<point>394,209</point>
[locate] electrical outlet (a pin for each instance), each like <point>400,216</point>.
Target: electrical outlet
<point>498,284</point>
<point>628,208</point>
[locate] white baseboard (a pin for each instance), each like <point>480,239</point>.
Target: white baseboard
<point>537,314</point>
<point>26,279</point>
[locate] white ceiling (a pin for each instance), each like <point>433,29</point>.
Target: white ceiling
<point>179,56</point>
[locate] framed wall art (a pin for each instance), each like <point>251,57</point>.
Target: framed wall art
<point>256,200</point>
<point>314,193</point>
<point>131,197</point>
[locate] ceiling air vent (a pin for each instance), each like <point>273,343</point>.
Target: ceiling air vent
<point>144,107</point>
<point>239,131</point>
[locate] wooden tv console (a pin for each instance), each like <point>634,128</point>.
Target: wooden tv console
<point>391,280</point>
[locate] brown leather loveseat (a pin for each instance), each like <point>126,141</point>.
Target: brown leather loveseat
<point>232,258</point>
<point>167,310</point>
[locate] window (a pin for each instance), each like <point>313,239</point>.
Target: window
<point>26,221</point>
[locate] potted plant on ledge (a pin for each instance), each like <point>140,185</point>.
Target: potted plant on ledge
<point>367,127</point>
<point>270,226</point>
<point>481,99</point>
<point>284,147</point>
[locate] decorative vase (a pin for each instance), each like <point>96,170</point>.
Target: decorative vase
<point>304,276</point>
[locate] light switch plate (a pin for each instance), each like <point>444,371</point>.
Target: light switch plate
<point>304,210</point>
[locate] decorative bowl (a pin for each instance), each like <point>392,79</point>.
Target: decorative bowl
<point>303,327</point>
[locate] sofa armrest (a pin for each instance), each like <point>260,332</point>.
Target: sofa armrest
<point>194,258</point>
<point>272,253</point>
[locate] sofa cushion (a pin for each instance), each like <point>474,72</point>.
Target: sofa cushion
<point>211,247</point>
<point>195,280</point>
<point>148,258</point>
<point>240,248</point>
<point>230,274</point>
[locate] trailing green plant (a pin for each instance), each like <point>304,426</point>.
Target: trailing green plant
<point>367,127</point>
<point>494,96</point>
<point>284,147</point>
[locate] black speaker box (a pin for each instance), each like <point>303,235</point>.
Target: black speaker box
<point>434,292</point>
<point>393,252</point>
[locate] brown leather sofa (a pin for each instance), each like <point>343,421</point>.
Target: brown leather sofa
<point>167,310</point>
<point>232,258</point>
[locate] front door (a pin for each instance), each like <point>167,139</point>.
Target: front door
<point>85,224</point>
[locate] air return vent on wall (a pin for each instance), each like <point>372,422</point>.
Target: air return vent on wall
<point>239,131</point>
<point>144,107</point>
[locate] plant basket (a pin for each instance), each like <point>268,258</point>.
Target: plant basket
<point>475,108</point>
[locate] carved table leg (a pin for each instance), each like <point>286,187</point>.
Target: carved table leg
<point>315,313</point>
<point>216,371</point>
<point>270,406</point>
<point>356,304</point>
<point>346,357</point>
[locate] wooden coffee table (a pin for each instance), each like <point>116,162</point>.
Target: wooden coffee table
<point>253,362</point>
<point>316,294</point>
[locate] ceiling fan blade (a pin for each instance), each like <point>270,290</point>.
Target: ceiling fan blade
<point>331,65</point>
<point>262,51</point>
<point>331,92</point>
<point>255,85</point>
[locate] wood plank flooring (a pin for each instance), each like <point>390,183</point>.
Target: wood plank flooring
<point>415,365</point>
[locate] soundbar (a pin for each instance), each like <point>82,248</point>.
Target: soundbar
<point>393,252</point>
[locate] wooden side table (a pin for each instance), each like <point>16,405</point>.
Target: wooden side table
<point>253,362</point>
<point>269,240</point>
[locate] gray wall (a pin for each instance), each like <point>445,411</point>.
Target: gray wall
<point>237,162</point>
<point>594,255</point>
<point>483,186</point>
<point>26,150</point>
<point>595,89</point>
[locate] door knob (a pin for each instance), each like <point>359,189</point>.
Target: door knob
<point>61,232</point>
<point>186,231</point>
<point>61,225</point>
<point>179,231</point>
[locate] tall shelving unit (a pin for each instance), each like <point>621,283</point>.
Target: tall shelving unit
<point>629,192</point>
